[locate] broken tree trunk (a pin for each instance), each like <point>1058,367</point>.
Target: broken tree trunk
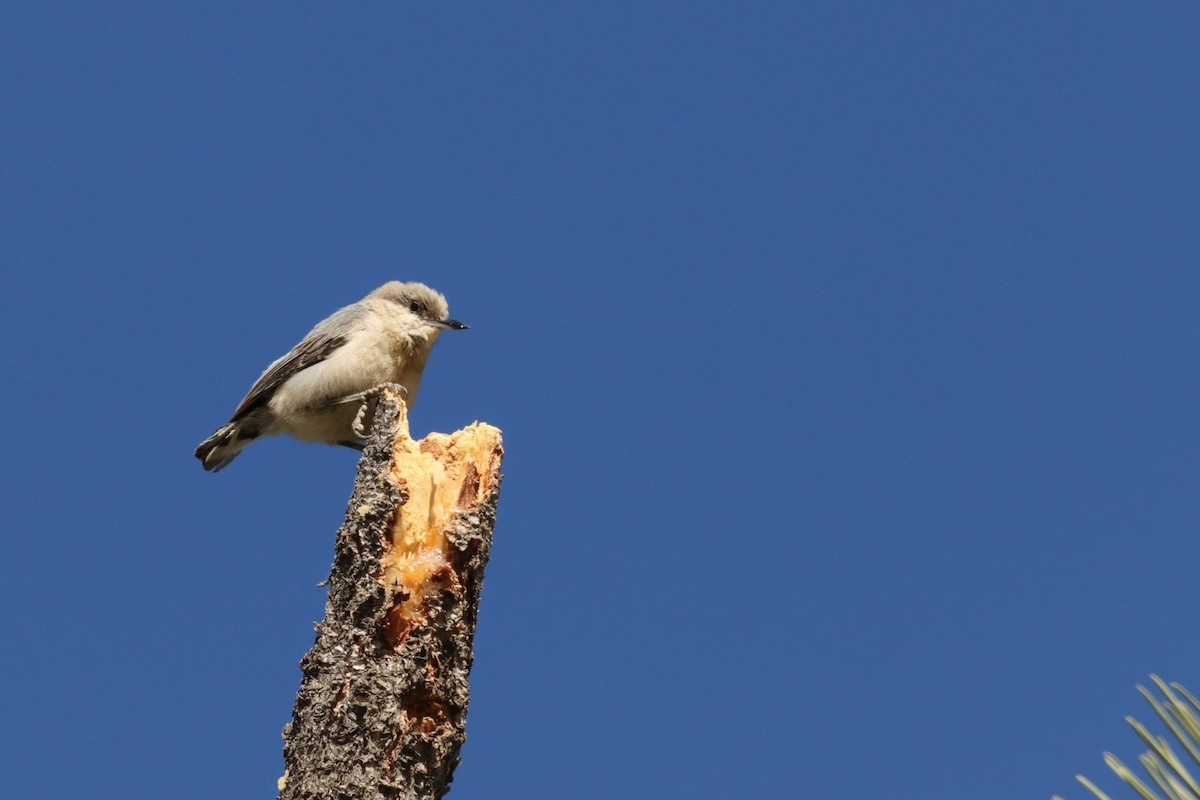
<point>382,706</point>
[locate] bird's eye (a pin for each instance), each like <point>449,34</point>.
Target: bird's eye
<point>414,307</point>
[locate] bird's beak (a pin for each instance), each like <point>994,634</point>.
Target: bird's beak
<point>449,324</point>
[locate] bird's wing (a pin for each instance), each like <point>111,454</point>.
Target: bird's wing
<point>320,343</point>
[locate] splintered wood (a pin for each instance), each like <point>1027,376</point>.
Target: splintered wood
<point>381,711</point>
<point>442,475</point>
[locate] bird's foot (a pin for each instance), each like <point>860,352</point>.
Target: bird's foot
<point>366,402</point>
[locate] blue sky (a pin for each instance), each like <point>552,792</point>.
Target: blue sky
<point>845,355</point>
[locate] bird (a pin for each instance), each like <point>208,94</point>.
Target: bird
<point>323,388</point>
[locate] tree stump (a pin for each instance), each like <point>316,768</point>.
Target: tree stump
<point>382,705</point>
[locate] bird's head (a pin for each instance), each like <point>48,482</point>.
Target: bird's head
<point>422,309</point>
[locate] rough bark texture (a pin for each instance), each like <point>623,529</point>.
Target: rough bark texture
<point>383,700</point>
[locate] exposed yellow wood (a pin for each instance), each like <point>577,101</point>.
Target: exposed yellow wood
<point>444,475</point>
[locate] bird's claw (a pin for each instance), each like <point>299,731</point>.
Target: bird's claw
<point>366,402</point>
<point>357,427</point>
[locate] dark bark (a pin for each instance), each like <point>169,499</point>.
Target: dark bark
<point>383,700</point>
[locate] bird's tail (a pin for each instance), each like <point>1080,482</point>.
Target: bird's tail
<point>223,446</point>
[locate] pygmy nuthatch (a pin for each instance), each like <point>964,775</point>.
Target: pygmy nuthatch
<point>326,386</point>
